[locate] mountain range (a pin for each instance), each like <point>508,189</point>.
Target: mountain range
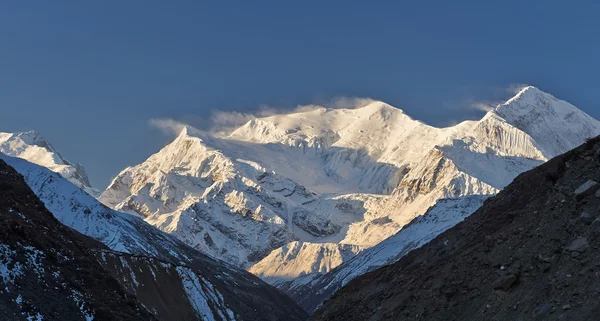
<point>291,197</point>
<point>306,201</point>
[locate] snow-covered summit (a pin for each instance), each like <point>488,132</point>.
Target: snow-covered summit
<point>372,128</point>
<point>554,124</point>
<point>30,145</point>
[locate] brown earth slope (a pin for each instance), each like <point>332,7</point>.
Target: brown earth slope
<point>47,270</point>
<point>530,253</point>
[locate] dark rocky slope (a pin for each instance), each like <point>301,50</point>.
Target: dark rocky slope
<point>193,291</point>
<point>49,271</point>
<point>530,253</point>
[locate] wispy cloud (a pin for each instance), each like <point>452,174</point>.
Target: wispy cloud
<point>487,105</point>
<point>348,102</point>
<point>223,122</point>
<point>484,106</point>
<point>515,88</point>
<point>167,126</point>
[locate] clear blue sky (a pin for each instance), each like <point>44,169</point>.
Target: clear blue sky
<point>90,74</point>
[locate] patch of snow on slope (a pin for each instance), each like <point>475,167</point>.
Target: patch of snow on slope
<point>203,296</point>
<point>9,269</point>
<point>79,300</point>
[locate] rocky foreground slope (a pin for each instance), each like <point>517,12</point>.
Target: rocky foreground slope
<point>47,270</point>
<point>529,253</point>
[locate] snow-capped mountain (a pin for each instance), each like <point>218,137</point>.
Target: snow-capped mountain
<point>305,179</point>
<point>34,148</point>
<point>154,266</point>
<point>336,177</point>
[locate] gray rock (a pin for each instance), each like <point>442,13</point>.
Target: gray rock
<point>596,226</point>
<point>586,189</point>
<point>598,193</point>
<point>505,282</point>
<point>578,245</point>
<point>566,307</point>
<point>586,218</point>
<point>543,310</point>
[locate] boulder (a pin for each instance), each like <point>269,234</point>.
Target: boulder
<point>578,245</point>
<point>543,310</point>
<point>586,218</point>
<point>505,282</point>
<point>586,189</point>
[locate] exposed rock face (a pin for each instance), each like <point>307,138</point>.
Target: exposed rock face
<point>47,270</point>
<point>586,189</point>
<point>524,255</point>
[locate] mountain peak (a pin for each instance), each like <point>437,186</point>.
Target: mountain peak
<point>190,135</point>
<point>555,125</point>
<point>32,146</point>
<point>380,106</point>
<point>529,90</point>
<point>184,131</point>
<point>182,134</point>
<point>527,96</point>
<point>33,137</point>
<point>30,133</point>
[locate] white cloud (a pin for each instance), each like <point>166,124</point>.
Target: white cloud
<point>168,126</point>
<point>222,122</point>
<point>484,106</point>
<point>515,88</point>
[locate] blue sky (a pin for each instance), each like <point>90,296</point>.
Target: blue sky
<point>89,75</point>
